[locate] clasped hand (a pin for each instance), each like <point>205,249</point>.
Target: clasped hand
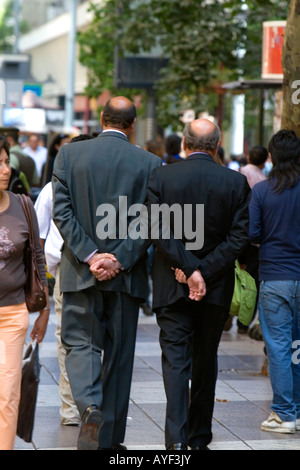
<point>196,283</point>
<point>104,266</point>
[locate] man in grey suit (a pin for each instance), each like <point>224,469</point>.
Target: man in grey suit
<point>97,185</point>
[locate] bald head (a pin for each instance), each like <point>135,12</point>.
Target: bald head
<point>201,135</point>
<point>118,113</point>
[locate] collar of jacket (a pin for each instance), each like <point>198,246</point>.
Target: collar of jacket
<point>202,155</point>
<point>113,133</point>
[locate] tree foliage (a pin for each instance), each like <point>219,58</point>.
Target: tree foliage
<point>207,42</point>
<point>7,26</point>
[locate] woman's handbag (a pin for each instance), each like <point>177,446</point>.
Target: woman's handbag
<point>34,290</point>
<point>29,390</point>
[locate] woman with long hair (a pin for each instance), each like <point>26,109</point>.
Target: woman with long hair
<point>14,317</point>
<point>275,226</point>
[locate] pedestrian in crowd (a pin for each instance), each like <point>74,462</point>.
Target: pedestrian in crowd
<point>103,275</point>
<point>233,163</point>
<point>194,306</point>
<point>14,318</point>
<point>57,141</point>
<point>154,146</point>
<point>37,152</point>
<point>257,157</point>
<point>275,226</point>
<point>52,242</point>
<point>173,149</point>
<point>19,160</point>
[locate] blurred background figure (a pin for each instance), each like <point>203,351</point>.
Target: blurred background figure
<point>156,147</point>
<point>57,141</point>
<point>173,149</point>
<point>257,158</point>
<point>37,152</point>
<point>23,167</point>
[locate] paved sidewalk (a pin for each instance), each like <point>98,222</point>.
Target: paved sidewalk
<point>243,397</point>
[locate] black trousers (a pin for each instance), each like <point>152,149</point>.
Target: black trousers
<point>95,321</point>
<point>190,333</point>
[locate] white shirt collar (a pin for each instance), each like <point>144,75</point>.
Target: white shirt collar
<point>114,130</point>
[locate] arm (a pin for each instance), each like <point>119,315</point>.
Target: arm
<point>225,254</point>
<point>71,231</point>
<point>40,326</point>
<point>255,218</point>
<point>175,250</point>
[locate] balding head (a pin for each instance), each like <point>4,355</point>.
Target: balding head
<point>201,135</point>
<point>118,113</point>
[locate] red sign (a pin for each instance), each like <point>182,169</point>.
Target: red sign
<point>273,33</point>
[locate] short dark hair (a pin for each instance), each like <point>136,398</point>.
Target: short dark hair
<point>4,144</point>
<point>81,137</point>
<point>155,146</point>
<point>118,118</point>
<point>204,142</point>
<point>284,148</point>
<point>11,132</point>
<point>258,155</point>
<point>173,144</point>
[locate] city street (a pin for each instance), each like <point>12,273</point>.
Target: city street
<point>243,397</point>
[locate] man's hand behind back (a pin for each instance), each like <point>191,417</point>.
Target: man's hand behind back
<point>196,284</point>
<point>104,266</point>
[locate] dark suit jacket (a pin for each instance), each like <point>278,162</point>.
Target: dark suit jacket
<point>224,193</point>
<point>86,175</point>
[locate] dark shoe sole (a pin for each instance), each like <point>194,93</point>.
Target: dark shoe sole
<point>89,432</point>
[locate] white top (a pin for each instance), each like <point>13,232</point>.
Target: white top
<point>48,230</point>
<point>39,156</point>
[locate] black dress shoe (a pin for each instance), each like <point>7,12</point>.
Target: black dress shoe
<point>178,446</point>
<point>89,431</point>
<point>119,447</point>
<point>114,447</point>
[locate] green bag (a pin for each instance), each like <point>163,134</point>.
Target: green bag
<point>244,296</point>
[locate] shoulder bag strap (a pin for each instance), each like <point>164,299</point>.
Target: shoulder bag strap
<point>25,205</point>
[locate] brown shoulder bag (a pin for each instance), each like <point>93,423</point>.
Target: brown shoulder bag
<point>34,290</point>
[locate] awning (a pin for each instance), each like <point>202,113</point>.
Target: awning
<point>252,84</point>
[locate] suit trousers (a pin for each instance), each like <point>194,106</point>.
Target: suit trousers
<point>94,321</point>
<point>190,333</point>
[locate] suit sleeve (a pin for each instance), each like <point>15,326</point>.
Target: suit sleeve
<point>173,248</point>
<point>224,255</point>
<point>80,244</point>
<point>131,249</point>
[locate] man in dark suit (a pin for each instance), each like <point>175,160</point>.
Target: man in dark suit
<point>208,230</point>
<point>103,269</point>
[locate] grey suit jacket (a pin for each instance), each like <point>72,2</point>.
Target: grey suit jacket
<point>92,181</point>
